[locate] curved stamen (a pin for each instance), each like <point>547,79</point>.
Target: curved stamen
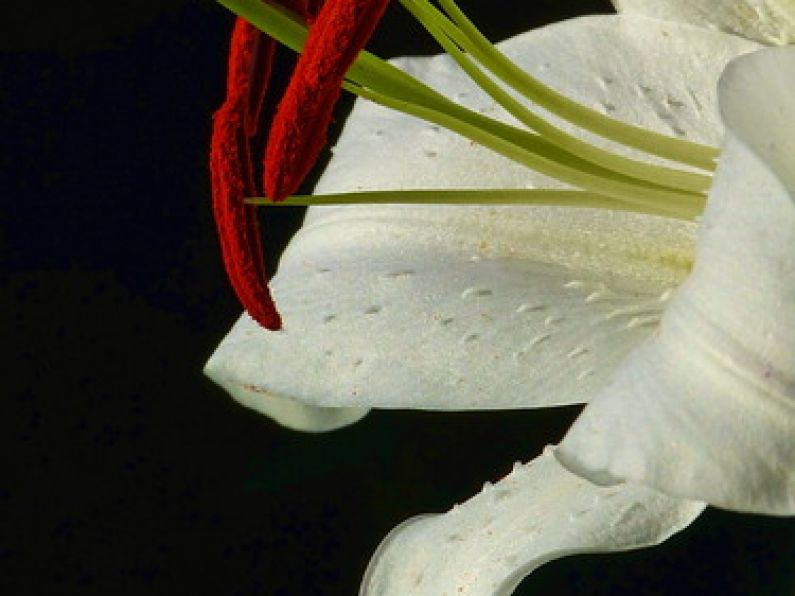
<point>234,125</point>
<point>298,133</point>
<point>232,173</point>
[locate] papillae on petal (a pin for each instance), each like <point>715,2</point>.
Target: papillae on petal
<point>537,513</point>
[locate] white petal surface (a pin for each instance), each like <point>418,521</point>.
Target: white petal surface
<point>537,513</point>
<point>768,21</point>
<point>419,312</point>
<point>706,409</point>
<point>481,307</point>
<point>289,412</point>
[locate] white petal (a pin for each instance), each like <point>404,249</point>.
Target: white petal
<point>286,411</point>
<point>768,21</point>
<point>457,313</point>
<point>537,513</point>
<point>571,291</point>
<point>706,409</point>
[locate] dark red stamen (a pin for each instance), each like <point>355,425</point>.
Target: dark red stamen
<point>232,173</point>
<point>298,132</point>
<point>262,53</point>
<point>234,124</point>
<point>340,31</point>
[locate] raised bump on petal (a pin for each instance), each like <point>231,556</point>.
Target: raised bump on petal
<point>538,512</point>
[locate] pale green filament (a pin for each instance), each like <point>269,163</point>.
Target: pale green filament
<point>501,196</point>
<point>617,180</point>
<point>537,154</point>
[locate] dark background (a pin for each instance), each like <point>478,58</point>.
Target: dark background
<point>125,471</point>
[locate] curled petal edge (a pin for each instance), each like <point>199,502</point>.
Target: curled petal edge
<point>537,513</point>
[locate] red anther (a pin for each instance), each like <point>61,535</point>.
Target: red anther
<point>232,175</point>
<point>298,132</point>
<point>237,223</point>
<point>234,124</point>
<point>259,72</point>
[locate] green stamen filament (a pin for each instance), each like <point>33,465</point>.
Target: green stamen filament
<point>501,196</point>
<point>537,154</point>
<point>617,181</point>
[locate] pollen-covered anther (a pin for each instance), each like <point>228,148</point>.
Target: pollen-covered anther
<point>298,133</point>
<point>234,124</point>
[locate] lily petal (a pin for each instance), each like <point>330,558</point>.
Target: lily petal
<point>481,307</point>
<point>291,413</point>
<point>706,409</point>
<point>768,21</point>
<point>539,512</point>
<point>413,311</point>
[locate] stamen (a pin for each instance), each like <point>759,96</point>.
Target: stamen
<point>234,124</point>
<point>232,176</point>
<point>452,41</point>
<point>483,50</point>
<point>259,72</point>
<point>499,196</point>
<point>298,133</point>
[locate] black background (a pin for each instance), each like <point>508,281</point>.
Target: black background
<point>125,471</point>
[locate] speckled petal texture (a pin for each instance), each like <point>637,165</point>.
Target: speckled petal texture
<point>484,306</point>
<point>768,21</point>
<point>706,409</point>
<point>411,311</point>
<point>539,512</point>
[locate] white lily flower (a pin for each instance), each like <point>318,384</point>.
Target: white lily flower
<point>486,307</point>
